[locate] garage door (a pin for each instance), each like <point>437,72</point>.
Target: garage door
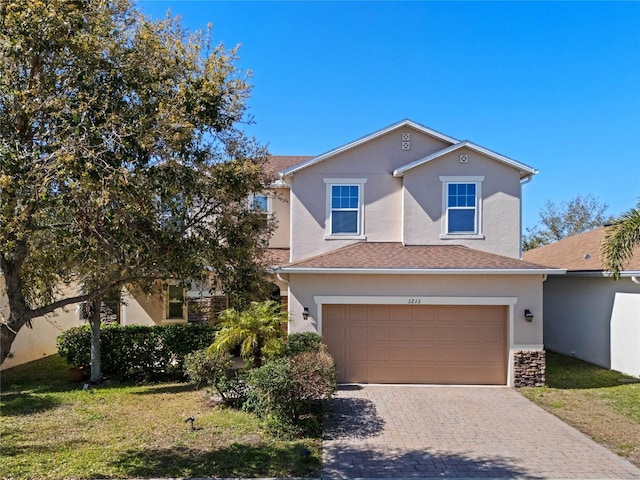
<point>418,343</point>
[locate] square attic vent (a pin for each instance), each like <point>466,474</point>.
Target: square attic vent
<point>406,137</point>
<point>406,145</point>
<point>464,158</point>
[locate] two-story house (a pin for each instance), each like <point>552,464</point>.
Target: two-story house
<point>401,248</point>
<point>404,253</point>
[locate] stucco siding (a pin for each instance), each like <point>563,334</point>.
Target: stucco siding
<point>527,289</point>
<point>141,309</point>
<point>595,319</point>
<point>625,333</point>
<point>280,211</point>
<point>382,193</point>
<point>408,209</point>
<point>499,209</point>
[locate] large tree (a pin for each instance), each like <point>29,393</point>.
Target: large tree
<point>622,241</point>
<point>577,215</point>
<point>122,158</point>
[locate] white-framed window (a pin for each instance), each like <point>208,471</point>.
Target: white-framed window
<point>175,303</point>
<point>462,207</point>
<point>260,202</point>
<point>345,208</point>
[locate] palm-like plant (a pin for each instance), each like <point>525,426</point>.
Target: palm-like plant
<point>623,237</point>
<point>257,330</point>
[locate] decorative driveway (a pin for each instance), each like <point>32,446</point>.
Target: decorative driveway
<point>389,431</point>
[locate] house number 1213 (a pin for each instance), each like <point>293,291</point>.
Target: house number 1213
<point>414,301</point>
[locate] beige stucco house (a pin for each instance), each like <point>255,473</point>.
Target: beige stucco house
<point>586,313</point>
<point>402,249</point>
<point>404,253</point>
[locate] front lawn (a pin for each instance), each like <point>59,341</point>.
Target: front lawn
<point>53,429</point>
<point>593,400</point>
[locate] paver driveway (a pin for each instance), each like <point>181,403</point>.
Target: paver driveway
<point>456,432</point>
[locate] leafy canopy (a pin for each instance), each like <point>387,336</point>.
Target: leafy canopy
<point>122,157</point>
<point>577,215</point>
<point>622,241</point>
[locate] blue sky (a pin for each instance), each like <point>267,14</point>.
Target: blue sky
<point>555,85</point>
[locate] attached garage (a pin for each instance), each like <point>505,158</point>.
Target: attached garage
<point>440,344</point>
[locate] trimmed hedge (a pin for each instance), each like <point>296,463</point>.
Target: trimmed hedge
<point>137,352</point>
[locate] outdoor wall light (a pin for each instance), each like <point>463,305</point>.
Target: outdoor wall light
<point>528,315</point>
<point>305,313</point>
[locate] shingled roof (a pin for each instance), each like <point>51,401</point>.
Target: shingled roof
<point>276,163</point>
<point>578,253</point>
<point>394,257</point>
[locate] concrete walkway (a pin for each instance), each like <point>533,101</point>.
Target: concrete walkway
<point>456,432</point>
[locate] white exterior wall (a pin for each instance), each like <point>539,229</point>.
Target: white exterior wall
<point>40,341</point>
<point>499,208</point>
<point>595,319</point>
<point>625,333</point>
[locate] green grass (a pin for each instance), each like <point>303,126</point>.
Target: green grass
<point>53,429</point>
<point>593,400</point>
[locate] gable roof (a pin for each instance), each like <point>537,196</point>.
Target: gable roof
<point>404,123</point>
<point>396,258</point>
<point>578,253</point>
<point>525,170</point>
<point>275,163</point>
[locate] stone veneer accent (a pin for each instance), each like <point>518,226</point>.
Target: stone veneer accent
<point>529,368</point>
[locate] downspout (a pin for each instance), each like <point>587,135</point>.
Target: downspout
<point>290,216</point>
<point>635,280</point>
<point>279,277</point>
<point>522,182</point>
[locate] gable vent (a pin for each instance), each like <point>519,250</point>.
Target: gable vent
<point>406,141</point>
<point>464,158</point>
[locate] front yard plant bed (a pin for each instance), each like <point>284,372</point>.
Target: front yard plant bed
<point>600,403</point>
<point>53,429</point>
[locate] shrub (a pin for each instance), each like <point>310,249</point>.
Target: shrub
<point>137,352</point>
<point>74,345</point>
<point>287,389</point>
<point>298,343</point>
<point>215,371</point>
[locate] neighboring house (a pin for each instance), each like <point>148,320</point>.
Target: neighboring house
<point>586,313</point>
<point>404,255</point>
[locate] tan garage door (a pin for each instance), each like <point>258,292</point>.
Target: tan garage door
<point>418,343</point>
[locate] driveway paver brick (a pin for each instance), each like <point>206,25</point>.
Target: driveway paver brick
<point>397,431</point>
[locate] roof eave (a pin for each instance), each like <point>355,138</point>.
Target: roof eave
<point>602,273</point>
<point>404,123</point>
<point>425,271</point>
<point>525,170</point>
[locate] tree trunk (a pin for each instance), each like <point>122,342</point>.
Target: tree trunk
<point>94,321</point>
<point>18,310</point>
<point>7,336</point>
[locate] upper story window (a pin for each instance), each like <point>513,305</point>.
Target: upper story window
<point>462,207</point>
<point>345,208</point>
<point>259,202</point>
